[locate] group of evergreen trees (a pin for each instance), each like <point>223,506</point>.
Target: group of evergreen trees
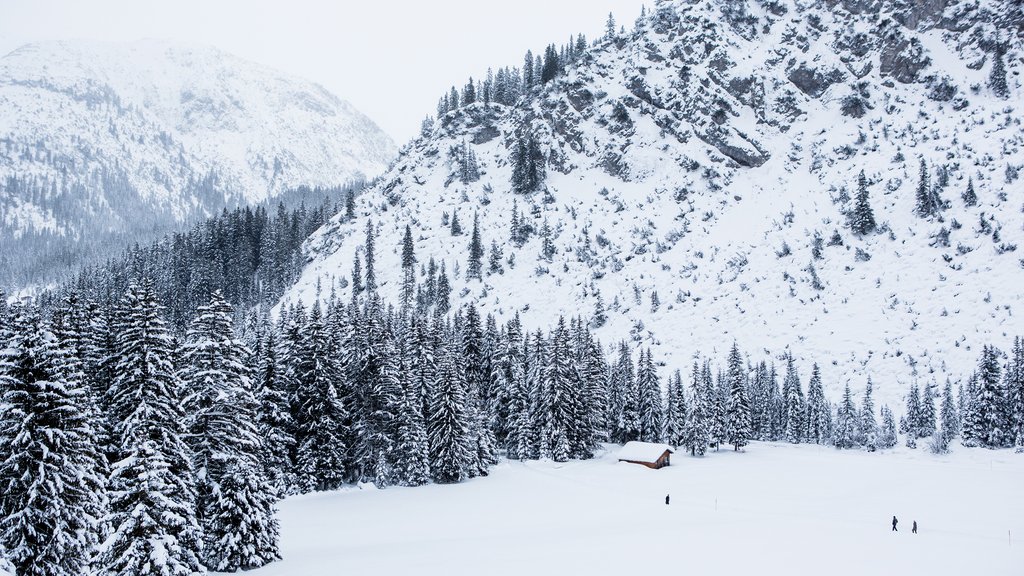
<point>125,450</point>
<point>508,84</point>
<point>250,255</point>
<point>990,408</point>
<point>124,441</point>
<point>987,411</point>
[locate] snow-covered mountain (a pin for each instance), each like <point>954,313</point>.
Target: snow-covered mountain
<point>127,138</point>
<point>701,175</point>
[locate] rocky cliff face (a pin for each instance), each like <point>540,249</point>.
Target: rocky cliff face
<point>699,181</point>
<point>102,141</point>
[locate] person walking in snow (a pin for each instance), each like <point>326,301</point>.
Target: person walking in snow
<point>894,522</point>
<point>914,528</point>
<point>666,499</point>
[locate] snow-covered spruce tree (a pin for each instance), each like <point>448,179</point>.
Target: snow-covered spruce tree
<point>716,401</point>
<point>448,426</point>
<point>737,414</point>
<point>971,429</point>
<point>776,407</point>
<point>474,270</point>
<point>419,368</point>
<point>911,419</point>
<point>276,425</point>
<point>990,403</point>
<point>6,318</point>
<point>697,433</point>
<point>649,392</point>
<point>547,243</point>
<point>495,259</point>
<point>926,201</point>
<point>51,473</point>
<point>235,499</point>
<point>408,268</point>
<point>456,226</point>
<point>863,218</point>
<point>600,316</point>
<point>322,442</point>
<point>888,438</point>
<point>521,444</point>
<point>926,423</point>
<point>469,170</point>
<point>620,385</point>
<point>758,392</point>
<point>382,421</point>
<point>997,75</point>
<point>413,468</point>
<point>357,278</point>
<point>818,411</point>
<point>536,350</point>
<point>970,198</point>
<point>594,374</point>
<point>632,419</point>
<point>152,490</point>
<point>442,302</point>
<point>367,391</point>
<point>868,427</point>
<point>371,258</point>
<point>676,411</point>
<point>517,397</point>
<point>350,204</point>
<point>1015,394</point>
<point>474,363</point>
<point>560,383</point>
<point>94,341</point>
<point>845,432</point>
<point>950,417</point>
<point>528,162</point>
<point>243,532</point>
<point>794,400</point>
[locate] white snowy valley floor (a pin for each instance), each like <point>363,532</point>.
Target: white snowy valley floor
<point>775,509</point>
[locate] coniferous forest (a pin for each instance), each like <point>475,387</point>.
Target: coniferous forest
<point>179,441</point>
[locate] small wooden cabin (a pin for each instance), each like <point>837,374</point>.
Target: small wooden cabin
<point>648,454</point>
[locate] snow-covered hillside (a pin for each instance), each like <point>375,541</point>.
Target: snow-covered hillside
<point>777,509</point>
<point>128,138</point>
<point>701,172</point>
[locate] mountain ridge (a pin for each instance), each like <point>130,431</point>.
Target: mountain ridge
<point>699,174</point>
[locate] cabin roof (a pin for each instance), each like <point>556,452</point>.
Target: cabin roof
<point>643,451</point>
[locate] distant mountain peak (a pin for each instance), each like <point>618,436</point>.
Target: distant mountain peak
<point>95,133</point>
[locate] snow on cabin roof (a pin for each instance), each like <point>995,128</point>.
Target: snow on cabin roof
<point>643,451</point>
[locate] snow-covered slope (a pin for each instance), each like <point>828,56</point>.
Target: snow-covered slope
<point>127,137</point>
<point>700,157</point>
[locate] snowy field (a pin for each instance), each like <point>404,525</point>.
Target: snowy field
<point>775,509</point>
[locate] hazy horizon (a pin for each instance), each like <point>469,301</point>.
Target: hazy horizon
<point>430,48</point>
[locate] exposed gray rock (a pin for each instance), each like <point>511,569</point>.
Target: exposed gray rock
<point>812,82</point>
<point>900,58</point>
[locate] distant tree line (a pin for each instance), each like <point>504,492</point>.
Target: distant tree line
<point>508,84</point>
<point>251,255</point>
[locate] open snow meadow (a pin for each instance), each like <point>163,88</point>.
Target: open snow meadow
<point>775,508</point>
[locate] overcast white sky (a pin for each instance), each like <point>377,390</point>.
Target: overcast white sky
<point>391,58</point>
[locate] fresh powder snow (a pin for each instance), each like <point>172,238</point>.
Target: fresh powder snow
<point>776,508</point>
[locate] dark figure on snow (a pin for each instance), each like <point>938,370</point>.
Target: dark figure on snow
<point>894,522</point>
<point>666,499</point>
<point>914,528</point>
